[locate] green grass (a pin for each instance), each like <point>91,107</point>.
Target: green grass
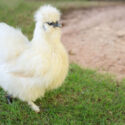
<point>86,97</point>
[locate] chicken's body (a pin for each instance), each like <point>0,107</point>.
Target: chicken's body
<point>29,69</point>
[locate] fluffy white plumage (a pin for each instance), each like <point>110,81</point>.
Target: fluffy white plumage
<point>29,69</point>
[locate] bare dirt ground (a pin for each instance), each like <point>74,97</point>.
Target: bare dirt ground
<point>95,38</point>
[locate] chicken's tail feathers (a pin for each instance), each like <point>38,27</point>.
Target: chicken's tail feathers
<point>12,41</point>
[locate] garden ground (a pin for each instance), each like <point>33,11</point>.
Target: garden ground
<point>95,38</point>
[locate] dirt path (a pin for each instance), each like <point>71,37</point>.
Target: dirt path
<point>95,38</point>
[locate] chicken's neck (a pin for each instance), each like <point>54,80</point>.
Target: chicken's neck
<point>42,36</point>
<point>38,35</point>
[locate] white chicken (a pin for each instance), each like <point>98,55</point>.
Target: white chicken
<point>29,69</point>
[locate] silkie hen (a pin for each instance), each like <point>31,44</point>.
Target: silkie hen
<point>29,69</point>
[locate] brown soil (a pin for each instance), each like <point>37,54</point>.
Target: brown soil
<point>95,38</point>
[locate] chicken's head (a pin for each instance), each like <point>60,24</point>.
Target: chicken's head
<point>49,16</point>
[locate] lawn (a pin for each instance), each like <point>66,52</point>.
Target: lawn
<point>86,97</point>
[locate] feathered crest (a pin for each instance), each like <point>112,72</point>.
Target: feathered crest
<point>46,13</point>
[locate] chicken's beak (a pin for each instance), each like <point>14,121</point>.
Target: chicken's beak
<point>57,24</point>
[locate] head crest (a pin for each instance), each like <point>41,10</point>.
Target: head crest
<point>47,13</point>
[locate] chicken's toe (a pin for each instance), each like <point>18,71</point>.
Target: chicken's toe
<point>34,107</point>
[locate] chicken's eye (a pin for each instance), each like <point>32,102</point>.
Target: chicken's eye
<point>50,23</point>
<point>54,24</point>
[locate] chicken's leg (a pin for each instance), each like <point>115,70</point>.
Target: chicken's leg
<point>9,99</point>
<point>34,106</point>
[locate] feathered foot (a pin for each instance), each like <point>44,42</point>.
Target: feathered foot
<point>9,99</point>
<point>34,106</point>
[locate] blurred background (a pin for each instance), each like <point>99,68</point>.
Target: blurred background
<point>93,31</point>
